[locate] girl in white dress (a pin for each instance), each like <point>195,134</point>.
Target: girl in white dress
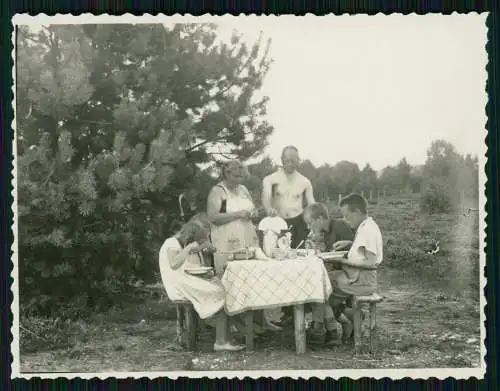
<point>182,251</point>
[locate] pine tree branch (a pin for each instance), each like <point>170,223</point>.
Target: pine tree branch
<point>202,143</point>
<point>232,84</point>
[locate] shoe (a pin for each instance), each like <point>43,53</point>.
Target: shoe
<point>316,336</point>
<point>228,347</point>
<point>272,327</point>
<point>348,331</point>
<point>332,338</point>
<point>286,321</point>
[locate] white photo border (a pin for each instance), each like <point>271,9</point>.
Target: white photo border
<point>414,373</point>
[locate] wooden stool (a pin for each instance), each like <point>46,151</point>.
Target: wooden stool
<point>357,302</point>
<point>186,324</point>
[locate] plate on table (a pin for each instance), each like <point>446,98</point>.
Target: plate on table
<point>198,271</point>
<point>333,255</point>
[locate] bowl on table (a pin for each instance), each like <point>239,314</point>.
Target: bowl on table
<point>243,255</point>
<point>200,271</point>
<point>279,254</point>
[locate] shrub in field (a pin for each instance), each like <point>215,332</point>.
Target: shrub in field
<point>437,196</point>
<point>448,179</point>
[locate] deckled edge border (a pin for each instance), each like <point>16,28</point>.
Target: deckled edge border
<point>354,374</point>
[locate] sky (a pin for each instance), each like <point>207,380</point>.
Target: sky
<point>368,89</point>
<point>373,89</point>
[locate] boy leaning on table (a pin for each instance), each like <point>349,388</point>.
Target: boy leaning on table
<point>357,275</point>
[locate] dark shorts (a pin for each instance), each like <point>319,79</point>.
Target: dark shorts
<point>343,289</point>
<point>299,230</point>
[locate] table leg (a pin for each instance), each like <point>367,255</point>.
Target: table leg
<point>300,330</point>
<point>249,330</point>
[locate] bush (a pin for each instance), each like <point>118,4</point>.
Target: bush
<point>437,197</point>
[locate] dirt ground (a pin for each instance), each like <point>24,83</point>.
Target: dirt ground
<point>417,328</point>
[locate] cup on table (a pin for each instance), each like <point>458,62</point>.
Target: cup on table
<point>220,262</point>
<point>292,254</point>
<point>305,253</point>
<point>279,254</point>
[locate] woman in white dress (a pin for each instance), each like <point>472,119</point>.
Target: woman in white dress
<point>182,251</point>
<point>230,209</point>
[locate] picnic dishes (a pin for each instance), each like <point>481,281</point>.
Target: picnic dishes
<point>199,270</point>
<point>333,255</point>
<point>243,254</point>
<point>304,253</point>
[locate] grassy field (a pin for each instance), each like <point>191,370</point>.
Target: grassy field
<point>430,317</point>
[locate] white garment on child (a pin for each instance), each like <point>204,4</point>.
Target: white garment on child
<point>369,237</point>
<point>271,227</point>
<point>206,295</point>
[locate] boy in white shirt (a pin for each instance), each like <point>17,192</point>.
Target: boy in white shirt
<point>358,276</point>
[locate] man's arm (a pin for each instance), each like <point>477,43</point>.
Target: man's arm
<point>309,193</point>
<point>267,194</point>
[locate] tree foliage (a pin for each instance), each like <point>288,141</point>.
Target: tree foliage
<point>450,180</point>
<point>113,122</point>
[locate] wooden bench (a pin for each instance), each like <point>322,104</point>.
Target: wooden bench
<point>357,303</point>
<point>187,318</point>
<point>186,324</point>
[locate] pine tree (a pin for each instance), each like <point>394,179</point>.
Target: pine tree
<point>113,121</point>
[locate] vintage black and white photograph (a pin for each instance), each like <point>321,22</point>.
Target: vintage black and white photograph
<point>249,196</point>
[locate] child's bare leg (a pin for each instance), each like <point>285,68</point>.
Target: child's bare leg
<point>221,328</point>
<point>345,319</point>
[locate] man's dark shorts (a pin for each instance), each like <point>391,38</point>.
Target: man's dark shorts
<point>299,230</point>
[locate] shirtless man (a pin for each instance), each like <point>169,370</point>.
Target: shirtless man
<point>286,192</point>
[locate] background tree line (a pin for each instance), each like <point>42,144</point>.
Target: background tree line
<point>114,123</point>
<point>447,181</point>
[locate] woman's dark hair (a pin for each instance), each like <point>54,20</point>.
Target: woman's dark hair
<point>355,202</point>
<point>317,210</point>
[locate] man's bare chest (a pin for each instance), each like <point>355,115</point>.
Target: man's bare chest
<point>288,190</point>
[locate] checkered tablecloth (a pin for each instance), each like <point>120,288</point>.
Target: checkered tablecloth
<point>252,285</point>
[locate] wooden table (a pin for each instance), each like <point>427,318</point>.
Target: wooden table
<point>299,329</point>
<point>257,285</point>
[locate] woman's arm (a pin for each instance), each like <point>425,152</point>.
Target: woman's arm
<point>214,204</point>
<point>309,193</point>
<point>254,212</point>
